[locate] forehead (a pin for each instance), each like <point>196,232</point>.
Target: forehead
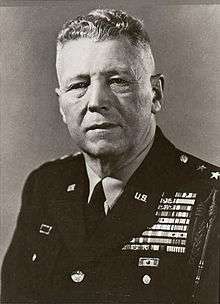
<point>85,56</point>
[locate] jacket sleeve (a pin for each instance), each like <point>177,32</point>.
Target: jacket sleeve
<point>209,287</point>
<point>13,275</point>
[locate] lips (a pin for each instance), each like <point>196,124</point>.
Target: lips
<point>101,126</point>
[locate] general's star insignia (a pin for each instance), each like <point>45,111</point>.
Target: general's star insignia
<point>215,175</point>
<point>201,168</point>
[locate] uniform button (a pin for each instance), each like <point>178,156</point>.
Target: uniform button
<point>146,279</point>
<point>184,158</point>
<point>77,276</point>
<point>34,256</point>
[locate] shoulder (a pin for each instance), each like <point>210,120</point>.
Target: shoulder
<point>61,163</point>
<point>197,169</point>
<point>57,168</point>
<point>51,178</point>
<point>180,167</point>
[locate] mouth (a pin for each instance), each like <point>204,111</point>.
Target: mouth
<point>101,126</point>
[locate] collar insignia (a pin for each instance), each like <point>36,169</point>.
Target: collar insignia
<point>71,188</point>
<point>141,196</point>
<point>45,229</point>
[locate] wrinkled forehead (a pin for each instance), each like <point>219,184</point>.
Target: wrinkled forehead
<point>86,55</point>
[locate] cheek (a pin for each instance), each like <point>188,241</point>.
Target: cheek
<point>138,114</point>
<point>134,105</point>
<point>72,111</point>
<point>143,104</point>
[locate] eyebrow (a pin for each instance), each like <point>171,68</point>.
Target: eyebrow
<point>109,73</point>
<point>76,77</point>
<point>117,71</point>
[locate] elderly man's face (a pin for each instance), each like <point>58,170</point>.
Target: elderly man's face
<point>107,99</point>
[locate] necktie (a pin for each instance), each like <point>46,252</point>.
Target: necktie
<point>95,211</point>
<point>97,199</point>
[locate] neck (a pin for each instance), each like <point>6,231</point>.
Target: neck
<point>105,165</point>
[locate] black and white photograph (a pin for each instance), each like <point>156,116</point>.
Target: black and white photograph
<point>110,152</point>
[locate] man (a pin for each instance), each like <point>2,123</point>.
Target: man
<point>131,219</point>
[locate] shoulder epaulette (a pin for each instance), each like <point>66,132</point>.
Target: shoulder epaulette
<point>57,161</point>
<point>69,156</point>
<point>198,168</point>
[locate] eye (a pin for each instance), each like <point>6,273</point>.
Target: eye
<point>78,85</point>
<point>119,85</point>
<point>118,81</point>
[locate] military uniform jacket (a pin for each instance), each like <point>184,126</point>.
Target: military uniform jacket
<point>157,245</point>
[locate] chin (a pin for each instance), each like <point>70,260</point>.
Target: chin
<point>100,150</point>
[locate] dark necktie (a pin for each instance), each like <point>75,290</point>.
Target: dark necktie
<point>95,211</point>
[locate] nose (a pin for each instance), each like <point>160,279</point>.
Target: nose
<point>98,97</point>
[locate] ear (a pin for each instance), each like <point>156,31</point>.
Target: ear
<point>157,83</point>
<point>59,92</point>
<point>63,115</point>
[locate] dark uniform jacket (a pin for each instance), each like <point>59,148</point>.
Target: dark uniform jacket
<point>157,245</point>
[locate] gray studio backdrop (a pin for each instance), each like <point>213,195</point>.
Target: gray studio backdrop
<point>186,43</point>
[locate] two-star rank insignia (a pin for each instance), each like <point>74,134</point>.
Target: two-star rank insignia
<point>199,169</point>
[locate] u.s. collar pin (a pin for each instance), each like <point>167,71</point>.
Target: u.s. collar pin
<point>141,196</point>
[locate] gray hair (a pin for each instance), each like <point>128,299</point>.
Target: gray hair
<point>105,24</point>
